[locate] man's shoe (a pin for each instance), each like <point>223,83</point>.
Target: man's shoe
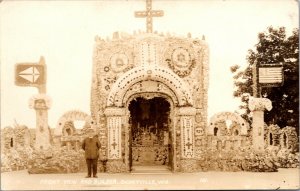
<point>88,176</point>
<point>95,176</point>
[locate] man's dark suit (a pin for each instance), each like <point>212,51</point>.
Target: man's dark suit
<point>91,147</point>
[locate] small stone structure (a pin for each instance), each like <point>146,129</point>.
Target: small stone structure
<point>288,138</point>
<point>272,134</point>
<point>65,134</point>
<point>227,131</point>
<point>16,147</point>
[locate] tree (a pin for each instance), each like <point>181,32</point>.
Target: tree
<point>273,47</point>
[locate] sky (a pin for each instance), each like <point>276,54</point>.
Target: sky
<point>64,32</point>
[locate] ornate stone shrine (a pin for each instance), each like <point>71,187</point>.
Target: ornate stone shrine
<point>149,94</point>
<point>149,108</point>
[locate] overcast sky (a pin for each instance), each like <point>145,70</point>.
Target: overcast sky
<point>64,31</point>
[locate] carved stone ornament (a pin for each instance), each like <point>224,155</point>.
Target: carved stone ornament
<point>260,104</point>
<point>119,62</point>
<point>40,101</point>
<point>181,59</point>
<point>199,131</point>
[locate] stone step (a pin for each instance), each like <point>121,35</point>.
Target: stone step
<point>151,170</point>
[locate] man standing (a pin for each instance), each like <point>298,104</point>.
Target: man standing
<point>91,146</point>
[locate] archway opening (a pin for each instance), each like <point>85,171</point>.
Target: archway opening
<point>11,142</point>
<point>150,132</point>
<point>284,140</point>
<point>271,138</point>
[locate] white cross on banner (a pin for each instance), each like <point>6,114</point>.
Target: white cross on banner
<point>269,75</point>
<point>30,74</point>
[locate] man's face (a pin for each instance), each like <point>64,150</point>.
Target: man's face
<point>90,133</point>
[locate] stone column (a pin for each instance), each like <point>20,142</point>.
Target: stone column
<point>187,144</point>
<point>41,103</point>
<point>257,106</point>
<point>114,144</point>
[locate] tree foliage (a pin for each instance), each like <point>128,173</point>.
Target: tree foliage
<point>273,47</point>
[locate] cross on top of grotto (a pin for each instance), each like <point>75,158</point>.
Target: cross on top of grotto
<point>149,14</point>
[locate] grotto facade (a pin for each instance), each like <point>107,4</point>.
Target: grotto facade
<point>148,97</point>
<point>149,100</point>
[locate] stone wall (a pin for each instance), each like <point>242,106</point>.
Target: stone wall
<point>56,160</point>
<point>16,147</point>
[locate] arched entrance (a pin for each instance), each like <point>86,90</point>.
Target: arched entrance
<point>150,132</point>
<point>128,115</point>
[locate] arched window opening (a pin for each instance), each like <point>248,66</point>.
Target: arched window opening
<point>284,140</point>
<point>215,131</point>
<point>271,139</point>
<point>68,130</point>
<point>11,142</point>
<point>236,132</point>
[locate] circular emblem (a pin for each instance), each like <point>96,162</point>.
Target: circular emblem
<point>199,131</point>
<point>181,61</point>
<point>181,58</point>
<point>119,62</point>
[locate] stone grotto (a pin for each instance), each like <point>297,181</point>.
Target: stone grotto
<point>149,100</point>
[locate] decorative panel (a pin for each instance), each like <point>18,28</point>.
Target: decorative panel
<point>114,137</point>
<point>187,137</point>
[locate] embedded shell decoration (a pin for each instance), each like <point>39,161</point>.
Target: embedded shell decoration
<point>46,98</point>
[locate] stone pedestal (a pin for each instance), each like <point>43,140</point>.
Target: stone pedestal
<point>257,106</point>
<point>41,103</point>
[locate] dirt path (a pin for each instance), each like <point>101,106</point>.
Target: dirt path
<point>283,179</point>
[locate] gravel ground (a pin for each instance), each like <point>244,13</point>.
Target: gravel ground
<point>283,179</point>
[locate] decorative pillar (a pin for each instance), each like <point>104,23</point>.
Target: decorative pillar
<point>257,106</point>
<point>114,144</point>
<point>41,103</point>
<point>187,120</point>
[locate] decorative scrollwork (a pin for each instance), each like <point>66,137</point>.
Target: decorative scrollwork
<point>260,104</point>
<point>181,59</point>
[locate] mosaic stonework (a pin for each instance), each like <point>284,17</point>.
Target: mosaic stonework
<point>114,138</point>
<point>288,138</point>
<point>149,107</point>
<point>187,135</point>
<point>150,66</point>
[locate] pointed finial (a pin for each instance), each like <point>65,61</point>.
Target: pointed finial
<point>116,35</point>
<point>42,60</point>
